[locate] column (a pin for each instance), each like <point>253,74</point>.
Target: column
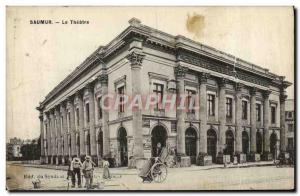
<point>282,122</point>
<point>238,118</point>
<point>222,115</point>
<point>57,135</point>
<point>48,130</point>
<point>90,88</point>
<point>136,58</point>
<point>103,78</point>
<point>79,96</point>
<point>41,117</point>
<point>72,126</point>
<point>181,111</point>
<point>253,121</point>
<point>203,112</point>
<point>266,123</point>
<point>63,132</point>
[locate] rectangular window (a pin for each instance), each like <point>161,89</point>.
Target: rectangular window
<point>77,117</point>
<point>290,114</point>
<point>290,127</point>
<point>191,101</point>
<point>99,108</point>
<point>158,91</point>
<point>245,110</point>
<point>273,114</point>
<point>228,107</point>
<point>258,112</point>
<point>121,93</point>
<point>87,112</point>
<point>211,104</point>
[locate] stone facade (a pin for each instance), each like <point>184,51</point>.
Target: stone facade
<point>290,124</point>
<point>238,106</point>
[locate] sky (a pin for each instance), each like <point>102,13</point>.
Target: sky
<point>40,56</point>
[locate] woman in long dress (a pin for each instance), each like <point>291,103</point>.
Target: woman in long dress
<point>106,173</point>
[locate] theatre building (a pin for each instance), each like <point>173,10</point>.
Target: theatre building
<point>237,108</point>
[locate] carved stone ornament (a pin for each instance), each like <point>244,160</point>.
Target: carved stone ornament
<point>222,82</point>
<point>283,98</point>
<point>266,93</point>
<point>238,86</point>
<point>253,90</point>
<point>135,58</point>
<point>203,77</point>
<point>180,71</point>
<point>103,78</point>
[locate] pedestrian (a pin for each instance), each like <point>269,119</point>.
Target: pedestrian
<point>106,173</point>
<point>76,171</point>
<point>87,169</point>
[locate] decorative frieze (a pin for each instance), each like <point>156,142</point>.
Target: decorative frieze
<point>217,67</point>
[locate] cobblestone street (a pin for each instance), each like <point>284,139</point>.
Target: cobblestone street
<point>192,178</point>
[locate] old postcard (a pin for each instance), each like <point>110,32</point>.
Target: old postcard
<point>150,98</point>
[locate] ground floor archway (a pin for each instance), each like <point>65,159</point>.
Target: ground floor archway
<point>229,150</point>
<point>258,142</point>
<point>191,144</point>
<point>212,144</point>
<point>123,149</point>
<point>273,142</point>
<point>245,142</point>
<point>158,139</point>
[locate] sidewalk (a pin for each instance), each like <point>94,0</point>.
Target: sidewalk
<point>126,171</point>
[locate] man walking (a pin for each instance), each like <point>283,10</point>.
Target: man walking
<point>75,169</point>
<point>87,169</point>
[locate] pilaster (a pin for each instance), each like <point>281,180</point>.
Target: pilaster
<point>238,117</point>
<point>103,79</point>
<point>222,114</point>
<point>266,121</point>
<point>203,112</point>
<point>180,72</point>
<point>136,58</point>
<point>253,120</point>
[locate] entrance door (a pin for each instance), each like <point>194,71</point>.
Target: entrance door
<point>122,139</point>
<point>273,140</point>
<point>245,142</point>
<point>212,144</point>
<point>258,143</point>
<point>158,140</point>
<point>191,144</point>
<point>229,143</point>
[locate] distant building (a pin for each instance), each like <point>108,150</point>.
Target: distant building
<point>14,148</point>
<point>290,123</point>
